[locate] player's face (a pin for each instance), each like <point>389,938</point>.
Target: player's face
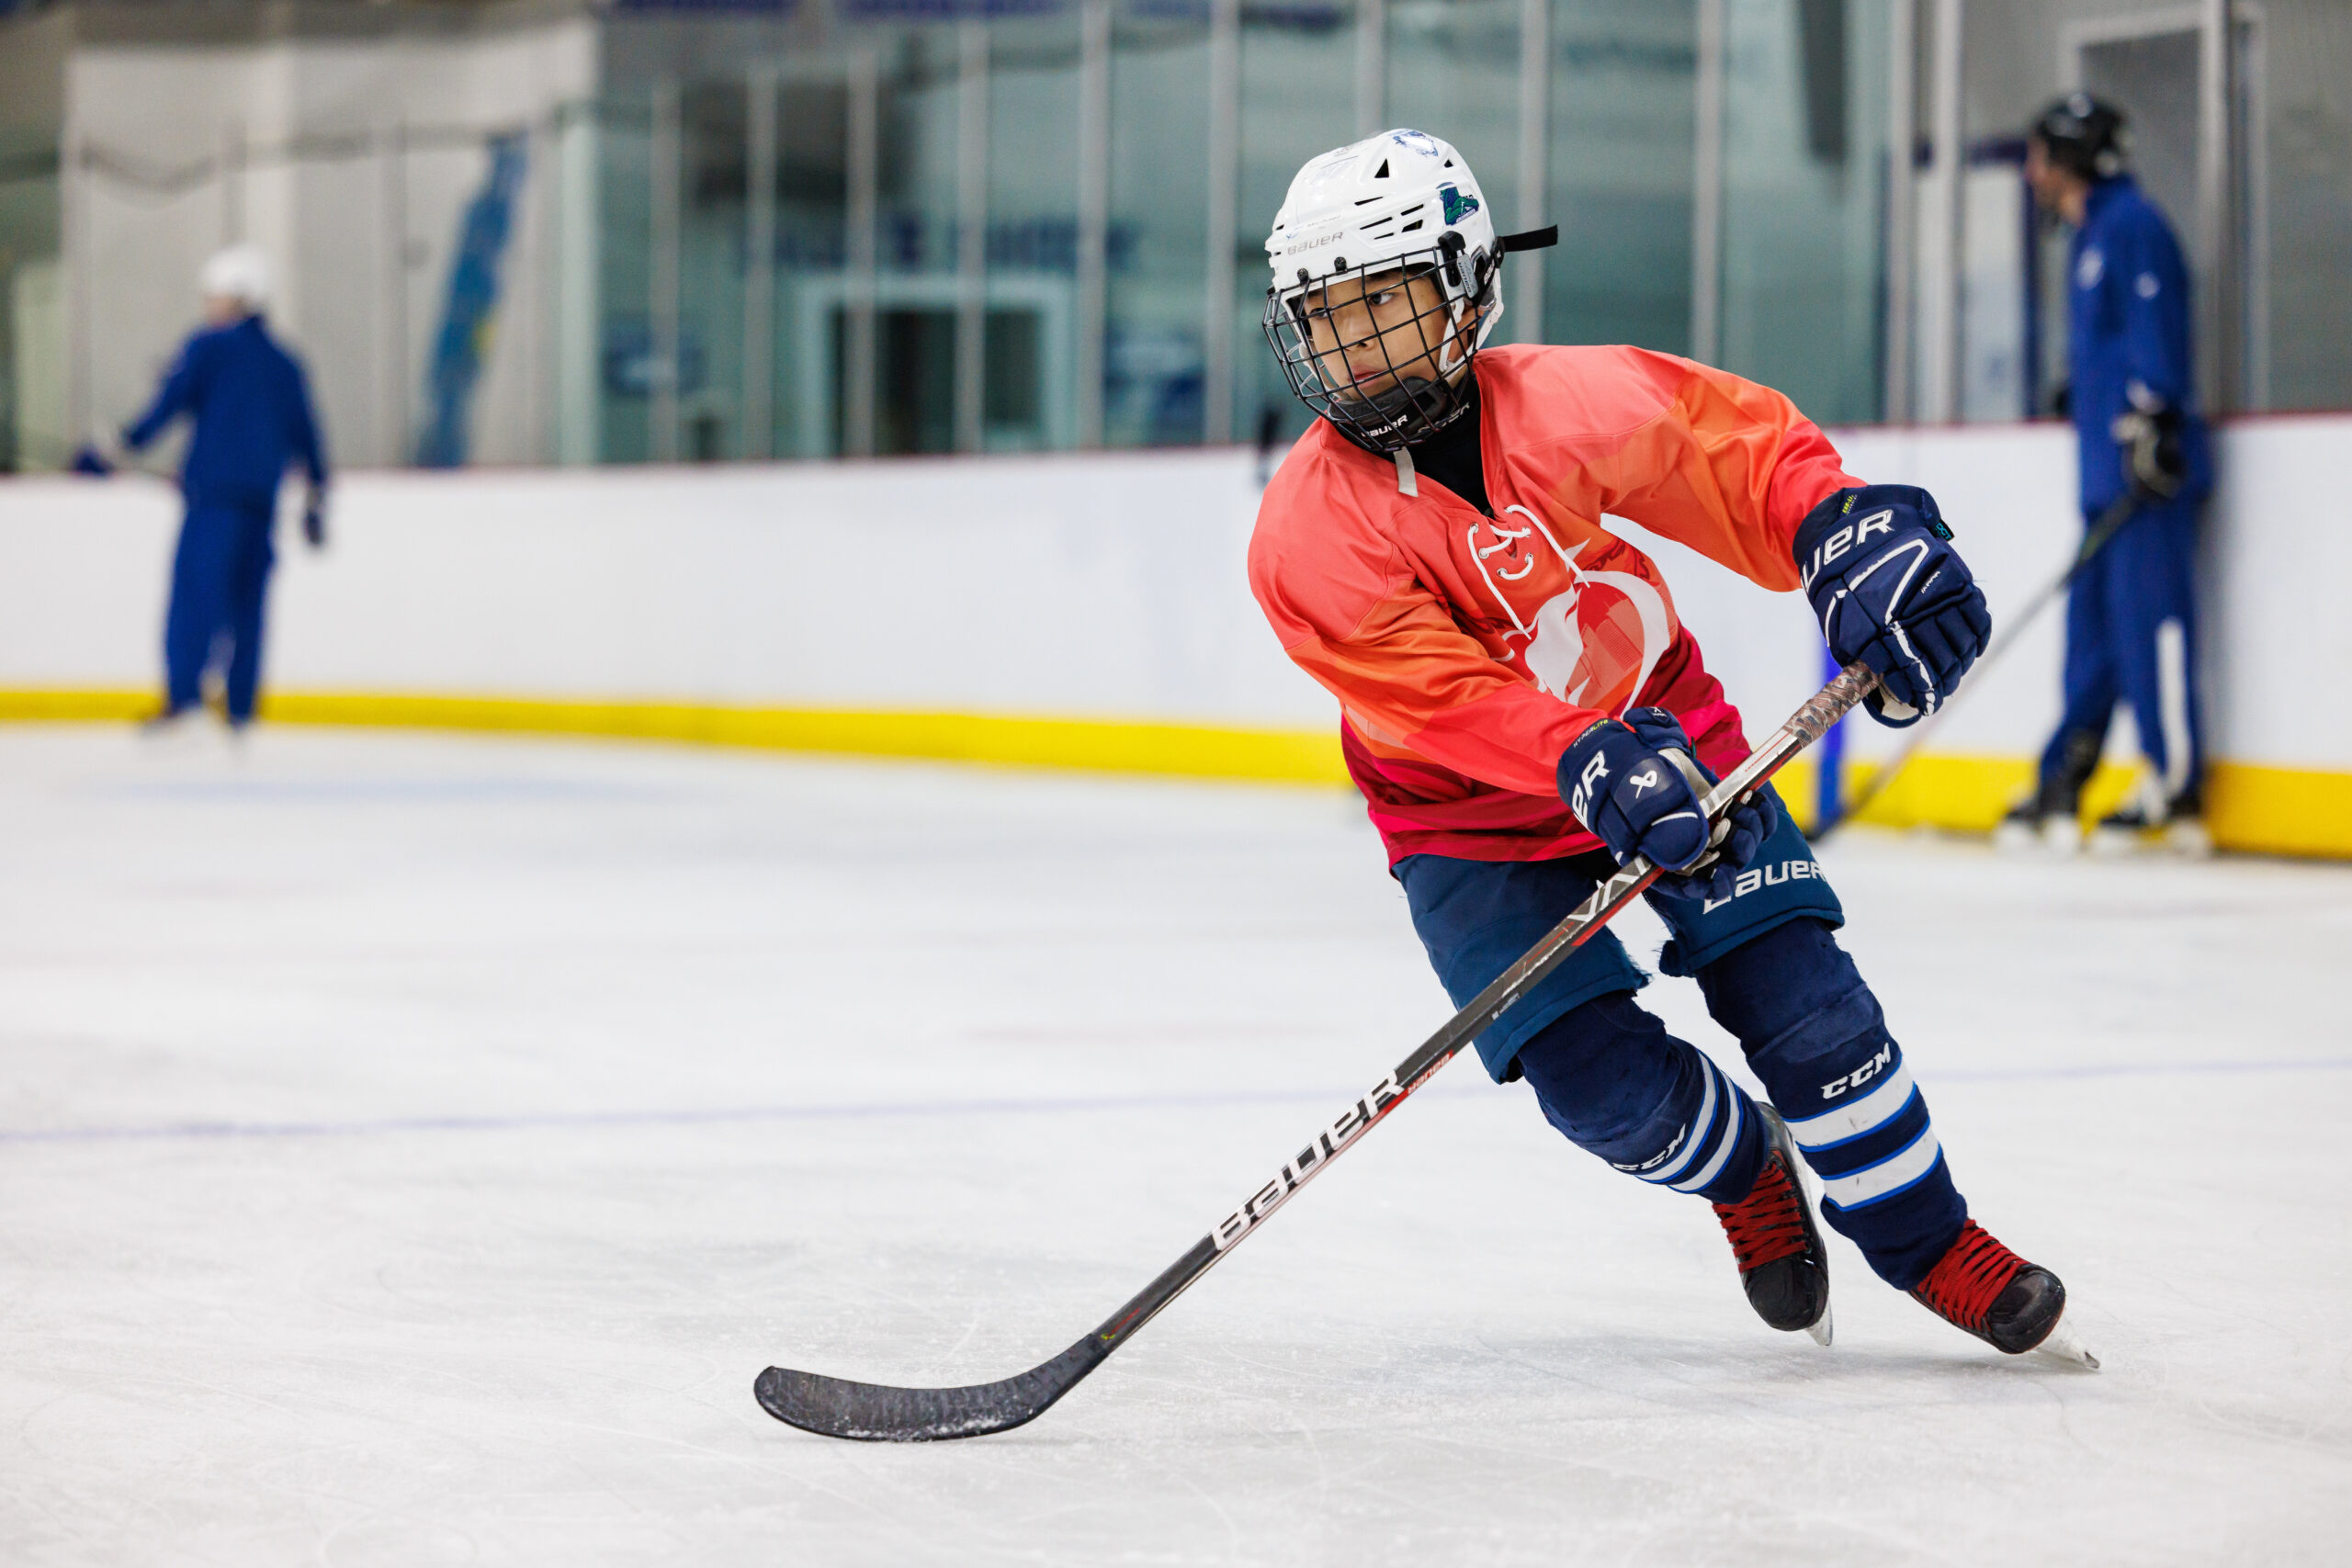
<point>2054,189</point>
<point>1369,334</point>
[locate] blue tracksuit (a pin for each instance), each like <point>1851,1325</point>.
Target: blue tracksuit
<point>2130,617</point>
<point>252,412</point>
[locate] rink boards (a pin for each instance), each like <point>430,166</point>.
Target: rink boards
<point>1090,611</point>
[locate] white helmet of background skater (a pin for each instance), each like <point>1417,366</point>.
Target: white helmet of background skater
<point>240,274</point>
<point>1398,206</point>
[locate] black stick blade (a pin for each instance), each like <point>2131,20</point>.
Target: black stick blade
<point>876,1413</point>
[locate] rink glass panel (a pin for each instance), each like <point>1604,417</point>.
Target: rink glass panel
<point>1621,126</point>
<point>1298,99</point>
<point>1804,174</point>
<point>32,318</point>
<point>1157,255</point>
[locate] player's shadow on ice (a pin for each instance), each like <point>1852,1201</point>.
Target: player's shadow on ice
<point>1651,1366</point>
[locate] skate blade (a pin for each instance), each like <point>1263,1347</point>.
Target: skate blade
<point>1824,1328</point>
<point>2066,1345</point>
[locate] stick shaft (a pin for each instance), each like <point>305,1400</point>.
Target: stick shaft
<point>1807,725</point>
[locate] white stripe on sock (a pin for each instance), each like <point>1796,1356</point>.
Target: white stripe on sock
<point>1872,1182</point>
<point>2172,704</point>
<point>1854,1117</point>
<point>1726,1141</point>
<point>1682,1161</point>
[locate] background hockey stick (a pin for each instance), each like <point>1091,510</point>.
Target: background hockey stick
<point>2105,526</point>
<point>836,1408</point>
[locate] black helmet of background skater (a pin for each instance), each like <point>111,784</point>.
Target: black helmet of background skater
<point>2084,135</point>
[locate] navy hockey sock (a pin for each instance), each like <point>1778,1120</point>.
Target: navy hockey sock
<point>1814,1034</point>
<point>1610,1077</point>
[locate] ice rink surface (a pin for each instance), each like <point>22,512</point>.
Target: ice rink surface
<point>410,1149</point>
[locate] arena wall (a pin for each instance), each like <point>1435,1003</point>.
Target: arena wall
<point>1090,611</point>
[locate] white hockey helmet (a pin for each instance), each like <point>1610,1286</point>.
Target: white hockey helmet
<point>240,273</point>
<point>1401,201</point>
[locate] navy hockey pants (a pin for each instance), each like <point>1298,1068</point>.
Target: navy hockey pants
<point>2131,637</point>
<point>1609,1077</point>
<point>219,575</point>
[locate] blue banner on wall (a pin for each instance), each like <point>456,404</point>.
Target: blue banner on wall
<point>462,345</point>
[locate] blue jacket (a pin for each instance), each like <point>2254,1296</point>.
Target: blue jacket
<point>2127,324</point>
<point>253,417</point>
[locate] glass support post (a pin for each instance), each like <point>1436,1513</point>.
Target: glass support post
<point>232,181</point>
<point>1902,226</point>
<point>2217,386</point>
<point>971,233</point>
<point>534,441</point>
<point>665,220</point>
<point>864,219</point>
<point>1372,67</point>
<point>1223,199</point>
<point>74,198</point>
<point>1707,186</point>
<point>1940,303</point>
<point>762,84</point>
<point>1093,214</point>
<point>1526,298</point>
<point>579,381</point>
<point>391,327</point>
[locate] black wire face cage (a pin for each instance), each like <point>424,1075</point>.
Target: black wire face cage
<point>1420,388</point>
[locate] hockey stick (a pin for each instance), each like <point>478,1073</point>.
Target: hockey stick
<point>836,1408</point>
<point>2104,527</point>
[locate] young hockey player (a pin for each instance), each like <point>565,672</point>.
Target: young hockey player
<point>1522,709</point>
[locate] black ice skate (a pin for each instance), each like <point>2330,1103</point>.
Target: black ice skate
<point>2048,817</point>
<point>1782,1266</point>
<point>2177,824</point>
<point>2014,1306</point>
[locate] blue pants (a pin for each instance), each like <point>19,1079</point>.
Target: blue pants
<point>1609,1077</point>
<point>219,574</point>
<point>2131,637</point>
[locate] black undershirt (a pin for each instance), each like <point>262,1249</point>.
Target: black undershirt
<point>1451,458</point>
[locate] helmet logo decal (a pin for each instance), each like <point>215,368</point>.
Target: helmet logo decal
<point>1457,206</point>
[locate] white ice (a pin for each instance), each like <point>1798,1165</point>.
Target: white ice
<point>410,1149</point>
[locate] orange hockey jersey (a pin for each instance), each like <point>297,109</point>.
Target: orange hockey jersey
<point>1467,651</point>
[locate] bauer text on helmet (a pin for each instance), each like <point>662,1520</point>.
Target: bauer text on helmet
<point>1385,281</point>
<point>238,276</point>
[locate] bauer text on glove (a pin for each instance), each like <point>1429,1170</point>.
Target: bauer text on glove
<point>1890,591</point>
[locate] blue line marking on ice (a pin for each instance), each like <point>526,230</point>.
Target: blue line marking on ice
<point>400,792</point>
<point>567,1121</point>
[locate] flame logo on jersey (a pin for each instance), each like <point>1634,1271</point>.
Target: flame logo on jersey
<point>1592,641</point>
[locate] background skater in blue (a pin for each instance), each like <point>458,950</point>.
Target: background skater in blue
<point>2131,613</point>
<point>252,413</point>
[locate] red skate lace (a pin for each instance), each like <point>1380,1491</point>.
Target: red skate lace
<point>1767,1224</point>
<point>1970,1276</point>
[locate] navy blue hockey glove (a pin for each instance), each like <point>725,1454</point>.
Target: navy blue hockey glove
<point>1890,591</point>
<point>1636,786</point>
